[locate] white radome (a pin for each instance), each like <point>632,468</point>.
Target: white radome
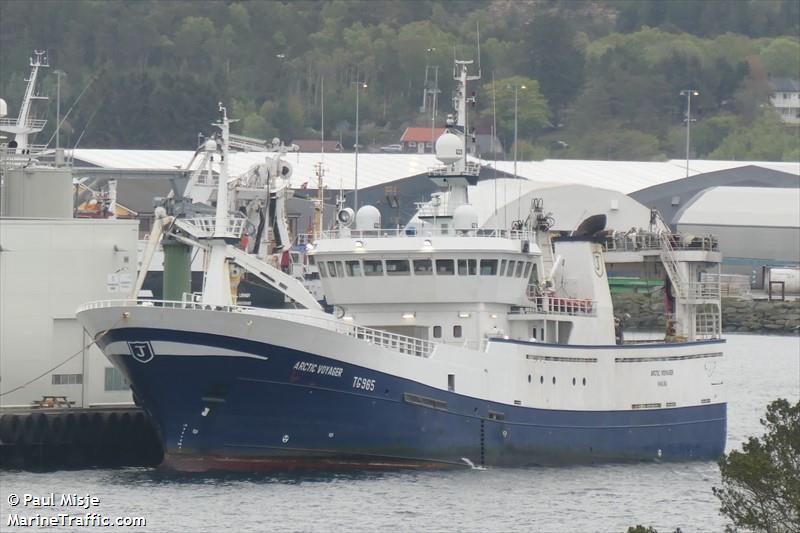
<point>449,148</point>
<point>368,217</point>
<point>465,218</point>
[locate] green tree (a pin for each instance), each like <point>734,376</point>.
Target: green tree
<point>761,483</point>
<point>555,60</point>
<point>766,139</point>
<point>782,58</point>
<point>532,112</point>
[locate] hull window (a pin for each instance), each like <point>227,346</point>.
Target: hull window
<point>457,331</point>
<point>397,267</point>
<point>437,332</point>
<point>467,267</point>
<point>488,267</point>
<point>353,268</point>
<point>423,267</point>
<point>445,267</point>
<point>373,268</point>
<point>451,382</point>
<point>510,271</point>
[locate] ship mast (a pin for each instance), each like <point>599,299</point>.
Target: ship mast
<point>24,126</point>
<point>318,203</point>
<point>217,287</point>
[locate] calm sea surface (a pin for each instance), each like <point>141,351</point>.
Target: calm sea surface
<point>586,498</point>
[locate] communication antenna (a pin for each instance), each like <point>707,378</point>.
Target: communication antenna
<point>494,148</point>
<point>478,31</point>
<point>322,119</point>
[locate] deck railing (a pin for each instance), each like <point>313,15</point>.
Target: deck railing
<point>393,341</point>
<point>205,226</point>
<point>552,305</point>
<point>636,242</point>
<point>425,233</point>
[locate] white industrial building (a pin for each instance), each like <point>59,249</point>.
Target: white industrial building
<point>50,264</point>
<point>756,226</point>
<point>380,169</point>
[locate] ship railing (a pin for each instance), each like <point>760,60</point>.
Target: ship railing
<point>393,341</point>
<point>551,305</point>
<point>22,157</point>
<point>703,290</point>
<point>470,169</point>
<point>730,285</point>
<point>30,124</point>
<point>205,226</point>
<point>347,233</point>
<point>644,241</point>
<point>707,325</point>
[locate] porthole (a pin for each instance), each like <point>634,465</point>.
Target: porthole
<point>573,382</point>
<point>541,379</point>
<point>584,381</point>
<point>529,378</point>
<point>554,380</point>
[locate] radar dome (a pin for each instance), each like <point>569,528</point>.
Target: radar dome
<point>368,217</point>
<point>211,145</point>
<point>449,148</point>
<point>465,218</point>
<point>3,108</point>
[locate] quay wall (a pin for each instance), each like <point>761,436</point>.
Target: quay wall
<point>738,315</point>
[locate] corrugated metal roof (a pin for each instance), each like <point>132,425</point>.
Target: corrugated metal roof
<point>744,206</point>
<point>624,176</point>
<point>377,169</point>
<point>373,169</point>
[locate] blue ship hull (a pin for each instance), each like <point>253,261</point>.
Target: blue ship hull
<point>263,412</point>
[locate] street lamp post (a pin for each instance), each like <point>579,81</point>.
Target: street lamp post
<point>359,85</point>
<point>688,93</point>
<point>58,74</point>
<point>516,108</point>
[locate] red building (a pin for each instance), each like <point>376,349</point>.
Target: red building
<point>420,140</point>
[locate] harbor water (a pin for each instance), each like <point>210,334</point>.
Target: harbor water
<point>612,497</point>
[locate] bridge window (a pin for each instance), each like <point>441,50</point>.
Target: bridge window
<point>373,268</point>
<point>510,271</point>
<point>423,267</point>
<point>445,267</point>
<point>332,269</point>
<point>339,269</point>
<point>527,270</point>
<point>353,268</point>
<point>488,267</point>
<point>467,267</point>
<point>457,331</point>
<point>397,267</point>
<point>502,268</point>
<point>323,272</point>
<point>520,267</point>
<point>437,332</point>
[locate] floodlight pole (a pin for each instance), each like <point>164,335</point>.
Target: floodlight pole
<point>688,93</point>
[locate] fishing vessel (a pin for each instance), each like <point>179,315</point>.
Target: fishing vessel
<point>450,344</point>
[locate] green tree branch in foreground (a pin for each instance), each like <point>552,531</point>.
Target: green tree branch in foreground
<point>761,483</point>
